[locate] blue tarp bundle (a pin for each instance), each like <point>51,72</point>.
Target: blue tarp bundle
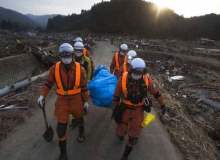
<point>102,87</point>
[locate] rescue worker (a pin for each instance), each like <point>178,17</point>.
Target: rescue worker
<point>82,59</point>
<point>118,59</point>
<point>86,51</point>
<point>130,99</point>
<point>87,63</point>
<point>127,62</point>
<point>77,39</point>
<point>71,88</point>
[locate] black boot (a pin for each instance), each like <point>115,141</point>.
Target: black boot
<point>126,153</point>
<point>81,136</point>
<point>74,123</point>
<point>63,153</point>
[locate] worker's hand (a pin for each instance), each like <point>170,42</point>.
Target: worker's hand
<point>147,105</point>
<point>163,109</point>
<point>86,107</point>
<point>41,101</point>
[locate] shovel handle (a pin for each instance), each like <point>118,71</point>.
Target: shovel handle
<point>45,117</point>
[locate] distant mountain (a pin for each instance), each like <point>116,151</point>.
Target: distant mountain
<point>10,17</point>
<point>41,20</point>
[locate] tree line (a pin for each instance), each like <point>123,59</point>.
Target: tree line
<point>138,17</point>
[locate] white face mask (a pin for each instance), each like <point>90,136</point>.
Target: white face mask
<point>136,76</point>
<point>122,53</point>
<point>66,60</point>
<point>129,59</point>
<point>78,54</point>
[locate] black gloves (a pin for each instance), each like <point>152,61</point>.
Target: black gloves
<point>147,105</point>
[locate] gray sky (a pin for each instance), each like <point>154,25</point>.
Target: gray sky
<point>65,7</point>
<point>40,7</point>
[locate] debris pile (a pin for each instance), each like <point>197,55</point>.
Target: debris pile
<point>192,91</point>
<point>16,107</point>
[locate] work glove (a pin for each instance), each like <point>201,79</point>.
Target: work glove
<point>147,105</point>
<point>163,109</point>
<point>86,107</point>
<point>41,101</point>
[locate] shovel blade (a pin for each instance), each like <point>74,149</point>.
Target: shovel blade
<point>48,134</point>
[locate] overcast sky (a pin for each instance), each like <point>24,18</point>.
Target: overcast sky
<point>187,8</point>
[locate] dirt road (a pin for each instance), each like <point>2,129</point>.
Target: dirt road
<point>26,142</point>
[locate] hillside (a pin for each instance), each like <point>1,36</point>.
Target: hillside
<point>138,17</point>
<point>14,19</point>
<point>41,20</point>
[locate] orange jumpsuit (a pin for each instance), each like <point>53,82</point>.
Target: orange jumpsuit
<point>68,104</point>
<point>133,115</point>
<point>117,62</point>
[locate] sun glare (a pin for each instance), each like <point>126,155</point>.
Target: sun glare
<point>161,4</point>
<point>188,8</point>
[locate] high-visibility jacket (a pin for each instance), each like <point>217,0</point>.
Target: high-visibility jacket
<point>125,67</point>
<point>125,91</point>
<point>87,63</point>
<point>60,89</point>
<point>117,63</point>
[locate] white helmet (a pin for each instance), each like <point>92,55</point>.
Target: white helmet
<point>138,63</point>
<point>78,39</point>
<point>124,47</point>
<point>66,48</point>
<point>78,46</point>
<point>131,54</point>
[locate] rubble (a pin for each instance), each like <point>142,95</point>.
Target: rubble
<point>16,107</point>
<point>191,122</point>
<point>21,84</point>
<point>12,107</point>
<point>175,78</point>
<point>21,75</point>
<point>193,102</point>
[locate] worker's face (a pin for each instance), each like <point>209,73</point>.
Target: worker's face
<point>137,74</point>
<point>66,60</point>
<point>129,59</point>
<point>78,53</point>
<point>122,52</point>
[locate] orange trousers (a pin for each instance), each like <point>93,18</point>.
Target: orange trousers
<point>131,123</point>
<point>66,105</point>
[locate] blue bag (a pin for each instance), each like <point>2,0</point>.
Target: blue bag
<point>102,87</point>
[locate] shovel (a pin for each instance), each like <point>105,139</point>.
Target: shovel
<point>48,134</point>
